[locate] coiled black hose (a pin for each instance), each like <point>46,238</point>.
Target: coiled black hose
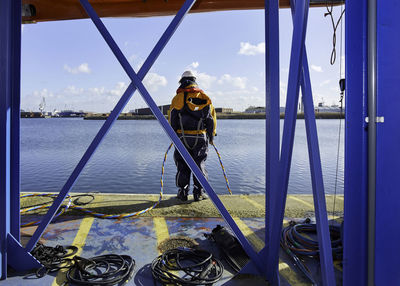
<point>53,258</point>
<point>299,245</point>
<point>109,269</point>
<point>186,266</point>
<point>294,239</point>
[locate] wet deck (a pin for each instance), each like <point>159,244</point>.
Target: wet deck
<point>140,237</point>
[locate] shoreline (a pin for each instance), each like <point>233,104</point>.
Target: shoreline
<point>321,115</point>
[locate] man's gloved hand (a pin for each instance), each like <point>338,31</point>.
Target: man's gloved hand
<point>211,140</point>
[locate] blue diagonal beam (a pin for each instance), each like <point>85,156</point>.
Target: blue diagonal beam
<point>109,122</point>
<point>298,39</point>
<point>324,241</point>
<point>171,133</point>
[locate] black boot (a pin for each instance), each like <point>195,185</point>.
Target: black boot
<point>199,194</point>
<point>183,194</point>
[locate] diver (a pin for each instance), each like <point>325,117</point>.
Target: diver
<point>193,118</point>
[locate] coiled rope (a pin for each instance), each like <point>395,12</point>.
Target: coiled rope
<point>71,205</point>
<point>61,210</point>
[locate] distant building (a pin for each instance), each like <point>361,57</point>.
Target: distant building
<point>147,111</point>
<point>254,109</point>
<point>320,108</point>
<point>223,110</point>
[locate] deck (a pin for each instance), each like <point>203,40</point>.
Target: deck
<point>141,236</point>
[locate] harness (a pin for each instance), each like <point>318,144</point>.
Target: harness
<point>200,124</point>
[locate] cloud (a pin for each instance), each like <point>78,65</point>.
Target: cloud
<point>98,99</point>
<point>154,81</point>
<point>316,68</point>
<point>239,82</point>
<point>205,80</point>
<point>82,68</point>
<point>239,100</point>
<point>325,82</point>
<point>248,49</point>
<point>193,65</point>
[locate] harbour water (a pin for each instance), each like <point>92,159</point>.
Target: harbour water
<point>129,158</point>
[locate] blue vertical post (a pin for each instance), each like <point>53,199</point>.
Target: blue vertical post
<point>387,232</point>
<point>298,39</point>
<point>15,71</point>
<point>10,37</point>
<point>355,178</point>
<point>272,111</point>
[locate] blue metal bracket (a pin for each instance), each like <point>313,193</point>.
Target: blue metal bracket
<point>137,82</point>
<point>20,258</point>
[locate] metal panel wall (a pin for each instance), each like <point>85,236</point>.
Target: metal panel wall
<point>387,236</point>
<point>355,205</point>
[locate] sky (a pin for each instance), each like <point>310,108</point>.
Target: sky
<point>69,64</point>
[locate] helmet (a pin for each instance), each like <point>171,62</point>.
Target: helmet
<point>188,74</point>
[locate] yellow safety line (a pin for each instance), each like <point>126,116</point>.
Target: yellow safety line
<point>253,202</point>
<point>301,201</point>
<point>161,229</point>
<point>79,242</point>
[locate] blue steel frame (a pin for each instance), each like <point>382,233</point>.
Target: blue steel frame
<point>267,261</point>
<point>298,75</point>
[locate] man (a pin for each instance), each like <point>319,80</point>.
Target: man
<point>193,118</point>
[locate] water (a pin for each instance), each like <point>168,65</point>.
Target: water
<point>129,158</point>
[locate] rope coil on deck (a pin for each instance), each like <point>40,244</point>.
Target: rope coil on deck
<point>71,205</point>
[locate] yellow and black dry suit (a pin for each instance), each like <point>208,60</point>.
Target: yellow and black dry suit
<point>193,118</point>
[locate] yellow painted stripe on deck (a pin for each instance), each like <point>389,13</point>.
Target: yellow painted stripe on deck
<point>340,197</point>
<point>301,201</point>
<point>161,229</point>
<point>162,233</point>
<point>79,242</point>
<point>284,269</point>
<point>257,242</point>
<point>253,202</point>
